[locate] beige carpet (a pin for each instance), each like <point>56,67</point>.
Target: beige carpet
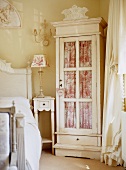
<point>51,162</point>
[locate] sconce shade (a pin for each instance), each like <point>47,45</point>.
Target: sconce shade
<point>39,61</point>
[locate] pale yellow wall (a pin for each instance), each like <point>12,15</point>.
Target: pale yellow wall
<point>18,45</point>
<point>104,7</point>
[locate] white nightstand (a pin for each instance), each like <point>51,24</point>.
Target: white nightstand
<point>47,104</point>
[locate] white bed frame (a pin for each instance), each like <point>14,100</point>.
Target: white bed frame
<point>12,85</point>
<point>16,84</point>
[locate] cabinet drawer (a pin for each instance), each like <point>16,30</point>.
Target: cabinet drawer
<point>44,104</point>
<point>77,140</point>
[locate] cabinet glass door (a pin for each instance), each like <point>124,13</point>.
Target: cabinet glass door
<point>77,73</point>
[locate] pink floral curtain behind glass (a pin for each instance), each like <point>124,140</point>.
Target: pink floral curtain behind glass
<point>70,84</point>
<point>85,84</point>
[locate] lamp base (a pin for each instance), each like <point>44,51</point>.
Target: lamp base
<point>41,95</point>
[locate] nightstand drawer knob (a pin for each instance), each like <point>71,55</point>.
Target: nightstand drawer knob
<point>44,104</point>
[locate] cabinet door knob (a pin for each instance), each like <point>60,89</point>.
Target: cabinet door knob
<point>77,139</point>
<point>60,85</point>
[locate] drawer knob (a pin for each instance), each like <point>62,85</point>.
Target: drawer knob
<point>43,104</point>
<point>77,139</point>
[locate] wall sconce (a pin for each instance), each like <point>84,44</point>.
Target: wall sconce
<point>41,35</point>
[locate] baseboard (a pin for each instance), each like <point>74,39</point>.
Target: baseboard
<point>91,152</point>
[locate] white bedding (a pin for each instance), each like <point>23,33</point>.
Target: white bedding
<point>33,141</point>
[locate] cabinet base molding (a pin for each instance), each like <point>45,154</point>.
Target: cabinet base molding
<point>92,152</point>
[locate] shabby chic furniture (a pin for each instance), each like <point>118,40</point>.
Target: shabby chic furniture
<point>16,86</point>
<point>11,127</point>
<point>79,84</point>
<point>45,104</point>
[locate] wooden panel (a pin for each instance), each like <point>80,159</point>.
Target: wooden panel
<point>78,153</point>
<point>92,152</point>
<point>44,104</point>
<point>86,26</point>
<point>78,140</point>
<point>16,84</point>
<point>71,30</point>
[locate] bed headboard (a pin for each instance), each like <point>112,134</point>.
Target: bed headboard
<point>17,83</point>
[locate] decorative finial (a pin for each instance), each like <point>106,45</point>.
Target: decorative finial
<point>13,103</point>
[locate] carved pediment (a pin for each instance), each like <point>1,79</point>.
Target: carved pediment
<point>75,13</point>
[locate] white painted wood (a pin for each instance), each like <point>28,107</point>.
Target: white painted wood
<point>13,162</point>
<point>93,68</point>
<point>75,31</point>
<point>57,78</point>
<point>78,140</point>
<point>17,133</point>
<point>47,104</point>
<point>21,157</point>
<point>75,13</point>
<point>80,27</point>
<point>78,151</point>
<point>79,134</point>
<point>16,84</point>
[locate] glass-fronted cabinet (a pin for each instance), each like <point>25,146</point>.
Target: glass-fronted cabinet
<point>78,82</point>
<point>79,87</point>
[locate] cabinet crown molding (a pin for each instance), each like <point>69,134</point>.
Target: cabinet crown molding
<point>86,21</point>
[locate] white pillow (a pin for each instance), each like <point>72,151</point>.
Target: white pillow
<point>22,106</point>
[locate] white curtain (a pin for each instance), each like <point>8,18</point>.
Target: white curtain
<point>111,140</point>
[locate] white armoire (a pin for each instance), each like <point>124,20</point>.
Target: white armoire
<point>79,85</point>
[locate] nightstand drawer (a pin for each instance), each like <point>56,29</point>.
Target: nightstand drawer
<point>44,104</point>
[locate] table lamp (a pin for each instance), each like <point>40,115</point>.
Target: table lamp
<point>41,62</point>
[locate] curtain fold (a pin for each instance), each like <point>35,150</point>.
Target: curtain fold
<point>111,139</point>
